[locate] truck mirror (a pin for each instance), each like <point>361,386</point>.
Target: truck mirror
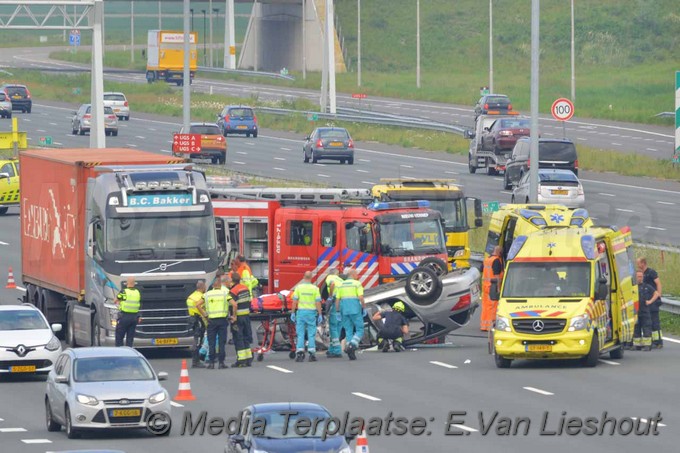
<point>469,134</point>
<point>4,175</point>
<point>494,294</point>
<point>478,212</point>
<point>601,293</point>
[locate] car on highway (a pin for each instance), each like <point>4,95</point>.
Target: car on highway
<point>9,184</point>
<point>280,434</point>
<point>82,118</point>
<point>503,133</point>
<point>237,119</point>
<point>95,388</point>
<point>554,187</point>
<point>5,105</point>
<point>552,153</point>
<point>213,143</point>
<point>27,341</point>
<point>19,95</point>
<point>119,103</point>
<point>496,103</point>
<point>329,143</point>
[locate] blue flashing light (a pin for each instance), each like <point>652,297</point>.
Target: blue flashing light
<point>517,245</point>
<point>387,205</point>
<point>527,214</point>
<point>539,221</point>
<point>579,217</point>
<point>588,246</point>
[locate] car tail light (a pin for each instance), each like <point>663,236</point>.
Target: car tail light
<point>464,301</point>
<point>255,118</point>
<point>125,104</point>
<point>319,143</point>
<point>28,94</point>
<point>580,190</point>
<point>528,163</point>
<point>350,144</point>
<point>220,138</point>
<point>576,163</point>
<point>226,119</point>
<point>112,117</point>
<point>87,117</point>
<point>509,106</point>
<point>486,106</point>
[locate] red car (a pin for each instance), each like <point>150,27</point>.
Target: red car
<point>503,133</point>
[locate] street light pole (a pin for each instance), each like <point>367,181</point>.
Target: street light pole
<point>132,31</point>
<point>216,12</point>
<point>205,50</point>
<point>229,36</point>
<point>418,43</point>
<point>304,39</point>
<point>533,146</point>
<point>358,43</point>
<point>160,14</point>
<point>186,88</point>
<point>491,46</point>
<point>210,9</point>
<point>573,65</point>
<point>330,41</point>
<point>192,19</point>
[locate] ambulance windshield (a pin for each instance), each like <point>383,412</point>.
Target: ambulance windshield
<point>411,237</point>
<point>547,279</point>
<point>162,237</point>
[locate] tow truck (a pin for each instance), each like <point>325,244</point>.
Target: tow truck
<point>478,157</point>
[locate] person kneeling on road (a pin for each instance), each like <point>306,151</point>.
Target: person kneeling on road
<point>306,315</point>
<point>394,328</point>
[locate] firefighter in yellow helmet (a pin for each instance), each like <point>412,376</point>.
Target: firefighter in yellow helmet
<point>393,327</point>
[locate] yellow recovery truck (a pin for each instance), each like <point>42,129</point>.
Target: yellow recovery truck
<point>165,56</point>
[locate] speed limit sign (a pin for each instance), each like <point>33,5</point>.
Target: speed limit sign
<point>562,109</point>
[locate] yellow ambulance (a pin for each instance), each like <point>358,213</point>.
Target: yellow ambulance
<point>567,293</point>
<point>9,184</point>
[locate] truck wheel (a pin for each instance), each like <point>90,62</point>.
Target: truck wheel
<point>501,362</point>
<point>423,286</point>
<point>616,353</point>
<point>437,265</point>
<point>506,181</point>
<point>490,171</point>
<point>70,336</point>
<point>593,356</point>
<point>95,340</point>
<point>4,210</point>
<point>471,168</point>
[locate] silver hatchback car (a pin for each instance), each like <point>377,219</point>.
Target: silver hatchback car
<point>105,388</point>
<point>83,117</point>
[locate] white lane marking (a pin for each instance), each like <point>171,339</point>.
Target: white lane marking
<point>609,362</point>
<point>408,177</point>
<point>2,419</point>
<point>280,158</point>
<point>36,441</point>
<point>607,194</point>
<point>242,152</point>
<point>175,404</point>
<point>465,428</point>
<point>644,420</point>
<point>539,391</point>
<point>582,138</point>
<point>21,288</point>
<point>628,186</point>
<point>442,364</point>
<point>362,171</point>
<point>131,145</point>
<point>624,210</point>
<point>3,243</point>
<point>322,175</point>
<point>250,143</point>
<point>506,192</point>
<point>286,149</point>
<point>672,340</point>
<point>406,166</point>
<point>53,124</point>
<point>467,361</point>
<point>365,396</point>
<point>58,144</point>
<point>167,151</point>
<point>140,137</point>
<point>239,163</point>
<point>614,135</point>
<point>278,368</point>
<point>666,202</point>
<point>12,430</point>
<point>498,179</point>
<point>451,172</point>
<point>625,136</point>
<point>655,228</point>
<point>364,160</point>
<point>651,149</point>
<point>616,144</point>
<point>40,130</point>
<point>320,165</point>
<point>279,169</point>
<point>368,182</point>
<point>152,129</point>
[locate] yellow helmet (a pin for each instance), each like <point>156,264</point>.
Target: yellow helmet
<point>399,306</point>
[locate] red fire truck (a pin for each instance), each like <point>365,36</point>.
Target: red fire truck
<point>285,232</point>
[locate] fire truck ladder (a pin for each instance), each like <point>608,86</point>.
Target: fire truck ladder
<point>292,195</point>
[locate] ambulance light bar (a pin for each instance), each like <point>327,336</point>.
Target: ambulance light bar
<point>387,205</point>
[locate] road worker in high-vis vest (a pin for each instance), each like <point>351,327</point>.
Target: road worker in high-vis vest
<point>129,302</point>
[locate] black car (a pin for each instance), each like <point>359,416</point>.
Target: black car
<point>552,153</point>
<point>498,103</point>
<point>20,97</point>
<point>273,417</point>
<point>329,143</point>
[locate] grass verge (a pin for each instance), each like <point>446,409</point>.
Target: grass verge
<point>670,323</point>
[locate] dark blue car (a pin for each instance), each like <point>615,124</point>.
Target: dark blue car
<point>237,119</point>
<point>273,439</point>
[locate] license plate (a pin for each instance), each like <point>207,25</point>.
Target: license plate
<point>22,369</point>
<point>539,348</point>
<point>337,144</point>
<point>116,110</point>
<point>559,192</point>
<point>165,341</point>
<point>16,97</point>
<point>125,413</point>
<point>241,127</point>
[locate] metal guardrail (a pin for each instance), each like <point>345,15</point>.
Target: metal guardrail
<point>271,75</point>
<point>670,305</point>
<point>666,115</point>
<point>363,116</point>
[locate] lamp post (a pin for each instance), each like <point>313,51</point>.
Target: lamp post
<point>160,14</point>
<point>216,12</point>
<point>210,11</point>
<point>205,49</point>
<point>573,66</point>
<point>132,32</point>
<point>192,19</point>
<point>491,46</point>
<point>418,43</point>
<point>359,43</point>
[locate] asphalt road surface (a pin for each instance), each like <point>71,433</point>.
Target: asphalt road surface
<point>654,141</point>
<point>428,382</point>
<point>648,206</point>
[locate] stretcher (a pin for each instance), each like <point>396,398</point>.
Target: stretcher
<point>272,311</point>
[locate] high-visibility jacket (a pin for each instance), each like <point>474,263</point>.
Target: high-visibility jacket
<point>489,307</point>
<point>247,277</point>
<point>193,300</point>
<point>487,273</point>
<point>130,300</point>
<point>241,295</point>
<point>334,280</point>
<point>349,289</point>
<point>216,303</point>
<point>306,295</point>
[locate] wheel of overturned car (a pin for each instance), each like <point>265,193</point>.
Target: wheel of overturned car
<point>437,265</point>
<point>423,286</point>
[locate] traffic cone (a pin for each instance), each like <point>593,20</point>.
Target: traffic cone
<point>362,443</point>
<point>10,280</point>
<point>184,392</point>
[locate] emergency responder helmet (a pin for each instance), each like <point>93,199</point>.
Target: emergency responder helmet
<point>399,306</point>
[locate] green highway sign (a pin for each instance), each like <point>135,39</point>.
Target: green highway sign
<point>312,117</point>
<point>490,207</point>
<point>47,140</point>
<point>676,158</point>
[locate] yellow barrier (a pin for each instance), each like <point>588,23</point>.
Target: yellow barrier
<point>7,140</point>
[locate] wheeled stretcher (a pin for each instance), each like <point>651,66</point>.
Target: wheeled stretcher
<point>272,311</point>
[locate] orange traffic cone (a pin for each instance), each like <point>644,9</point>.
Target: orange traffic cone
<point>362,443</point>
<point>10,280</point>
<point>184,392</point>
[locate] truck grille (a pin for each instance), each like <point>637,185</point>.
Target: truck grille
<point>164,310</point>
<point>549,325</point>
